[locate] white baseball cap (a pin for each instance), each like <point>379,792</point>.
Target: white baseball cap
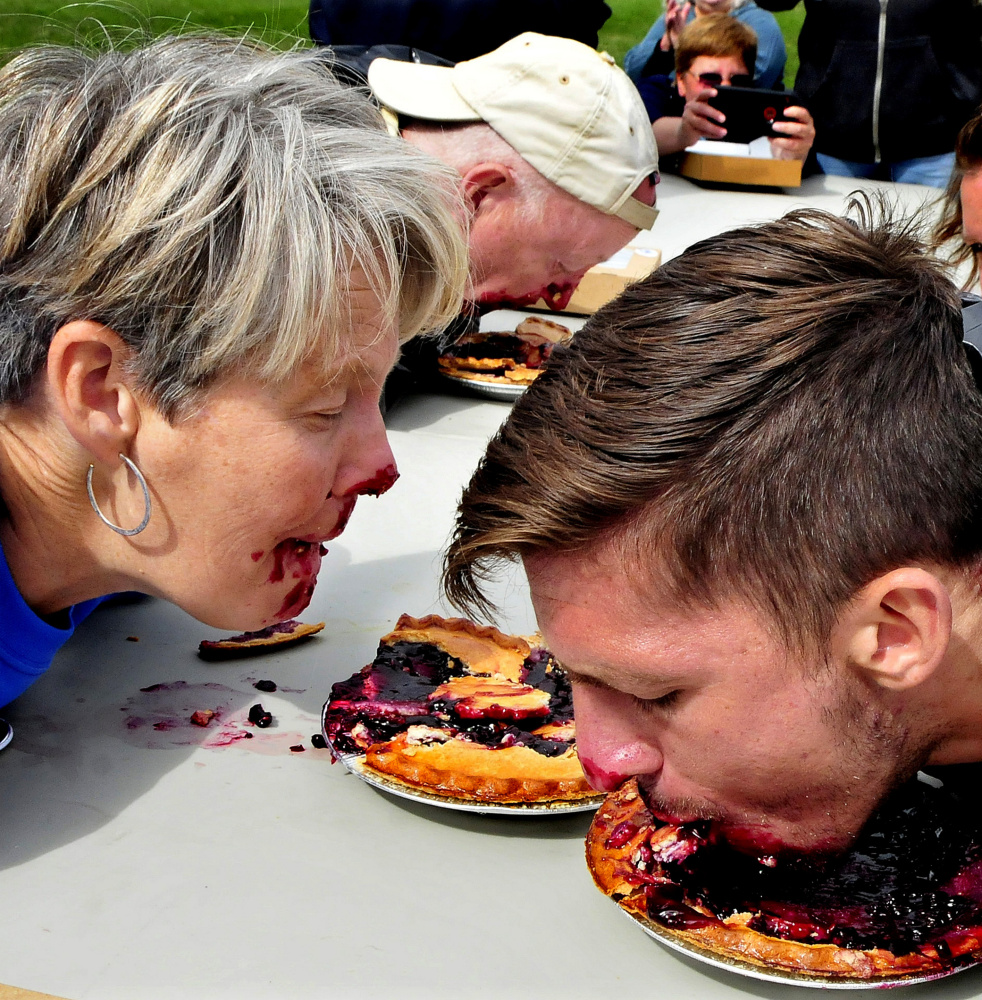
<point>568,110</point>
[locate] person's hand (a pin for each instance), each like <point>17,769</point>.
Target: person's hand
<point>676,18</point>
<point>700,120</point>
<point>800,135</point>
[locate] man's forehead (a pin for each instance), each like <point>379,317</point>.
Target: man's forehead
<point>601,614</point>
<point>582,596</point>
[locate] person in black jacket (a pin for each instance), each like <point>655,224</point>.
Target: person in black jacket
<point>889,82</point>
<point>452,29</point>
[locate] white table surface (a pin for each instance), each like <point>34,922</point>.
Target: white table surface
<point>140,862</point>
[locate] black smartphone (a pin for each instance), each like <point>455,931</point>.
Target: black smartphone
<point>751,111</point>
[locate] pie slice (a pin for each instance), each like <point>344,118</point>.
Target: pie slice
<point>461,711</point>
<point>905,901</point>
<point>263,641</point>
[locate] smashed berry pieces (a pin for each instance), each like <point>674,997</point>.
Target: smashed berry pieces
<point>259,717</point>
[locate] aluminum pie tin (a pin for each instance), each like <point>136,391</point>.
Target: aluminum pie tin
<point>502,391</point>
<point>355,763</point>
<point>665,936</point>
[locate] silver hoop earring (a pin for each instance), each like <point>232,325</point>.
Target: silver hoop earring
<point>146,500</point>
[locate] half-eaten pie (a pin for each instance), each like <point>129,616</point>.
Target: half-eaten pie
<point>905,901</point>
<point>461,711</point>
<point>515,358</point>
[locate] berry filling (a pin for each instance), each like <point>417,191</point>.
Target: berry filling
<point>501,347</point>
<point>912,881</point>
<point>280,628</point>
<point>418,684</point>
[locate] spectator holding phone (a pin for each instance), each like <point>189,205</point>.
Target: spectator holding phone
<point>714,51</point>
<point>890,84</point>
<point>655,54</point>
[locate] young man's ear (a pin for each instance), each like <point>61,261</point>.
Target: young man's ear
<point>897,628</point>
<point>484,178</point>
<point>85,381</point>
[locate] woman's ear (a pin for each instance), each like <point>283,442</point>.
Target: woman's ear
<point>897,628</point>
<point>86,382</point>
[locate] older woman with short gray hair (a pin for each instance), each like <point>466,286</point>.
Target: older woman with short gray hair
<point>209,254</point>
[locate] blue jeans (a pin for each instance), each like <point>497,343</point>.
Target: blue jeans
<point>934,171</point>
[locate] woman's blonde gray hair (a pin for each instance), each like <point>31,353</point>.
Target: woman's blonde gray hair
<point>208,199</point>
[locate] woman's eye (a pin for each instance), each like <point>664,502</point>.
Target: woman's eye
<point>663,702</point>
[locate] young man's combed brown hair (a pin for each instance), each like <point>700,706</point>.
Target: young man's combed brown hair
<point>780,414</point>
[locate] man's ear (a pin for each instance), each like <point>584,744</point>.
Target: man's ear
<point>85,377</point>
<point>483,178</point>
<point>897,628</point>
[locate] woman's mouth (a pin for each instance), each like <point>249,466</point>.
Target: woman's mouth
<point>299,560</point>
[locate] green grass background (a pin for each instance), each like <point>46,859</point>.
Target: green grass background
<point>280,22</point>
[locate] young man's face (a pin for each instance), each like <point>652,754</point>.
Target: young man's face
<point>717,718</point>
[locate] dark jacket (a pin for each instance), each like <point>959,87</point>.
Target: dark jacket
<point>888,80</point>
<point>453,29</point>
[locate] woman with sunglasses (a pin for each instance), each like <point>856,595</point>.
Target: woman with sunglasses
<point>658,46</point>
<point>714,51</point>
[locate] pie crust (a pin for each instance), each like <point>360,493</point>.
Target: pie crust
<point>507,358</point>
<point>637,860</point>
<point>248,643</point>
<point>461,711</point>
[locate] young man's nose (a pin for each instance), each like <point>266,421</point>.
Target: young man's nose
<point>608,742</point>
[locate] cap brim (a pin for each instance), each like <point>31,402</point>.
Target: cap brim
<point>419,90</point>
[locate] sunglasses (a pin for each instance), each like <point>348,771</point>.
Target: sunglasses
<point>716,80</point>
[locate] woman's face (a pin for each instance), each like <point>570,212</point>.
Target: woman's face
<point>246,491</point>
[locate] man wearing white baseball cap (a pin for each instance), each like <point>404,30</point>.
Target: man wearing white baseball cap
<point>555,154</point>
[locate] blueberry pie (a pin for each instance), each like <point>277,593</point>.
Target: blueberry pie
<point>461,711</point>
<point>905,901</point>
<point>514,358</point>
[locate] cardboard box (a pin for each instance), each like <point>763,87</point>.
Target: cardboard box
<point>608,279</point>
<point>734,163</point>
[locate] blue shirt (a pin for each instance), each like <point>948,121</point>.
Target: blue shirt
<point>28,643</point>
<point>771,53</point>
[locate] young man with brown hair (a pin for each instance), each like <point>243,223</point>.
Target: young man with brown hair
<point>747,498</point>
